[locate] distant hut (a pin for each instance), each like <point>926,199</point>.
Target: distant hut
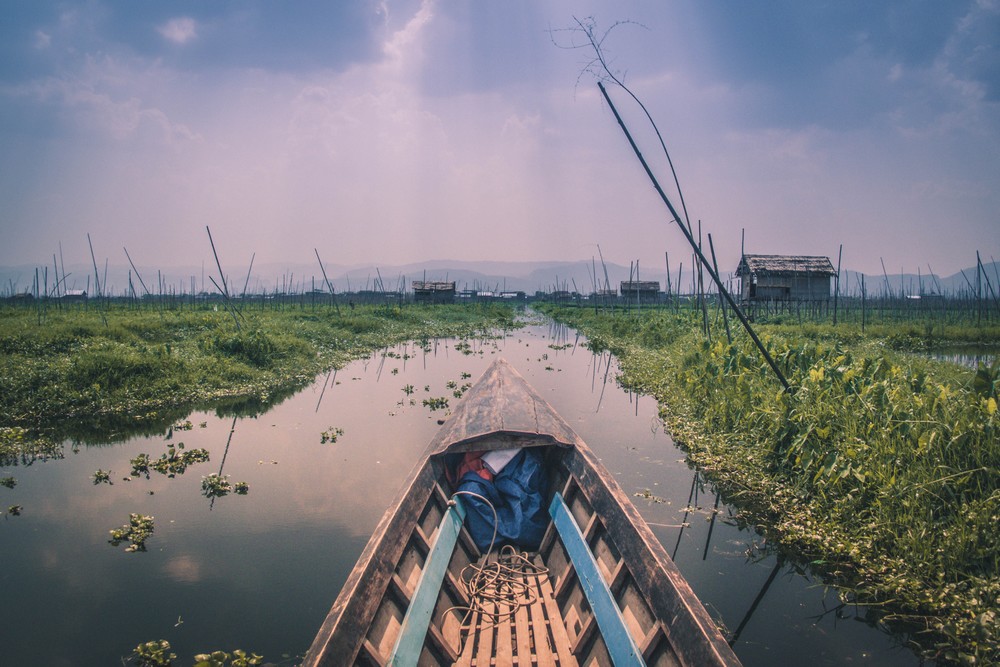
<point>785,277</point>
<point>425,291</point>
<point>643,290</point>
<point>74,296</point>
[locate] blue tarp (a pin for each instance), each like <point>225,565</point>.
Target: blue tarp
<point>518,494</point>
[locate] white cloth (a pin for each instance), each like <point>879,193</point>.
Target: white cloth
<point>496,459</point>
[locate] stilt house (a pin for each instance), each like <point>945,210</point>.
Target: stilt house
<point>644,290</point>
<point>425,291</point>
<point>785,277</point>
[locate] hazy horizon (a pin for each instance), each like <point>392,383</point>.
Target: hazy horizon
<point>391,131</point>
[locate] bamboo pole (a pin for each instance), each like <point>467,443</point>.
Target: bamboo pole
<point>690,239</point>
<point>722,305</point>
<point>836,289</point>
<point>333,292</point>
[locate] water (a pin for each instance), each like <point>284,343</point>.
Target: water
<point>968,356</point>
<point>260,571</point>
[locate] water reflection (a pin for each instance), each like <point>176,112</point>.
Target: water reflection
<point>260,571</point>
<point>970,357</point>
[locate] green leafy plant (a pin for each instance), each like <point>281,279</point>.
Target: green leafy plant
<point>174,462</point>
<point>153,654</point>
<point>436,403</point>
<point>102,477</point>
<point>138,529</point>
<point>878,470</point>
<point>330,435</point>
<point>217,486</point>
<point>238,658</point>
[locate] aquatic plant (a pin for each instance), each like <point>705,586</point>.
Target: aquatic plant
<point>138,529</point>
<point>20,446</point>
<point>9,482</point>
<point>174,462</point>
<point>880,471</point>
<point>153,654</point>
<point>436,403</point>
<point>102,477</point>
<point>238,658</point>
<point>217,486</point>
<point>330,435</point>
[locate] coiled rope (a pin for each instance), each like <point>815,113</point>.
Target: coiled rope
<point>496,591</point>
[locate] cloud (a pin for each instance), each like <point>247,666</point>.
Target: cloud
<point>180,30</point>
<point>42,40</point>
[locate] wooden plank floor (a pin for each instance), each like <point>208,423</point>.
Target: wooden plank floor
<point>535,635</point>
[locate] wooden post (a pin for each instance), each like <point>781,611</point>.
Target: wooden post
<point>836,289</point>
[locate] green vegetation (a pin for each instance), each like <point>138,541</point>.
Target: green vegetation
<point>153,654</point>
<point>175,462</point>
<point>158,654</point>
<point>880,470</point>
<point>138,529</point>
<point>330,435</point>
<point>436,403</point>
<point>105,371</point>
<point>217,486</point>
<point>18,446</point>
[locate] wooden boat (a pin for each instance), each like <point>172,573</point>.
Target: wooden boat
<point>599,590</point>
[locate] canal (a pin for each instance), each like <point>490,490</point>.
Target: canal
<point>260,571</point>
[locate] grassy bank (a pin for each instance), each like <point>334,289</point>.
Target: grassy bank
<point>113,368</point>
<point>880,471</point>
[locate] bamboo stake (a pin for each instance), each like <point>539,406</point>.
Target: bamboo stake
<point>836,289</point>
<point>328,284</point>
<point>247,281</point>
<point>722,305</point>
<point>137,274</point>
<point>690,239</point>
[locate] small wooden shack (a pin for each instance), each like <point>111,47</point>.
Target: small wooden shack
<point>644,290</point>
<point>425,291</point>
<point>785,277</point>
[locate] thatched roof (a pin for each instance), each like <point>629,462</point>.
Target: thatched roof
<point>763,265</point>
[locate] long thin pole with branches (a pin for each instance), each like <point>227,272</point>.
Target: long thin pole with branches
<point>694,245</point>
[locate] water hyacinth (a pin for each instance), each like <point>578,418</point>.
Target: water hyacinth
<point>138,529</point>
<point>879,471</point>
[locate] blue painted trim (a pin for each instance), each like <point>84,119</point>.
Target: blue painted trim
<point>621,645</point>
<point>418,616</point>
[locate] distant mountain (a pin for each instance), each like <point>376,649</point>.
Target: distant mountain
<point>912,284</point>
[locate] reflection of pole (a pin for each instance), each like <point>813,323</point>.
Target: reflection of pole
<point>756,602</point>
<point>607,369</point>
<point>381,363</point>
<point>687,511</point>
<point>326,382</point>
<point>232,429</point>
<point>711,525</point>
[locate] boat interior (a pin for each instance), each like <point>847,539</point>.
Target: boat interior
<point>573,601</point>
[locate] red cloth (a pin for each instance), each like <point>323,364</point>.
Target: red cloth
<point>473,462</point>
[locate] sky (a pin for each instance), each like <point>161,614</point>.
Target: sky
<point>405,131</point>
